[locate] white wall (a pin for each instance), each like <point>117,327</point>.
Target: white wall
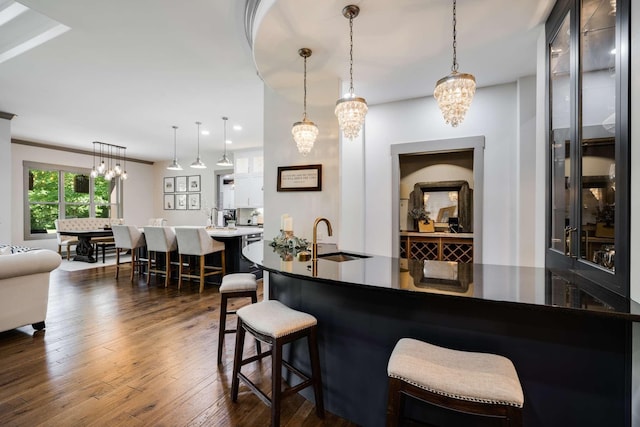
<point>281,110</point>
<point>5,178</point>
<point>207,193</point>
<point>494,115</point>
<point>138,196</point>
<point>526,175</point>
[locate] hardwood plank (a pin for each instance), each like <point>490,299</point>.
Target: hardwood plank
<point>122,353</point>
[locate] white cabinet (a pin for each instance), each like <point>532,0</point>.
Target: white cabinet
<point>248,192</point>
<point>248,179</point>
<point>228,197</point>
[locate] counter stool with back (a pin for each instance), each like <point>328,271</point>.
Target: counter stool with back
<point>160,240</point>
<point>129,237</point>
<point>195,242</point>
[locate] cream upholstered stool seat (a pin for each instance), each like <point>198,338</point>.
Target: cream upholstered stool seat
<point>276,324</point>
<point>234,285</point>
<point>475,383</point>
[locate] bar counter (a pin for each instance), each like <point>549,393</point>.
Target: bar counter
<point>570,342</point>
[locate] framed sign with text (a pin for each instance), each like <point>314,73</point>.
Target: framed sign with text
<point>300,178</point>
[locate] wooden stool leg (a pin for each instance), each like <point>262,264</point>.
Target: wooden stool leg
<point>276,383</point>
<point>179,271</point>
<point>117,261</point>
<point>237,361</point>
<point>394,403</point>
<point>149,267</point>
<point>312,339</point>
<point>167,268</point>
<point>254,299</point>
<point>222,325</point>
<point>133,263</point>
<point>201,273</point>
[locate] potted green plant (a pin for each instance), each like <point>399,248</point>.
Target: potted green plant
<point>421,217</point>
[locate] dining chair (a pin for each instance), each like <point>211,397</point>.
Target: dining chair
<point>160,240</point>
<point>128,237</point>
<point>157,222</point>
<point>195,242</point>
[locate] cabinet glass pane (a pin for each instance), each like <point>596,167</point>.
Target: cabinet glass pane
<point>560,136</point>
<point>598,132</point>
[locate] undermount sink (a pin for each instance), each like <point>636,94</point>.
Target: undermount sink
<point>341,256</point>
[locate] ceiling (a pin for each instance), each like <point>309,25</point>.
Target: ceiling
<point>126,71</point>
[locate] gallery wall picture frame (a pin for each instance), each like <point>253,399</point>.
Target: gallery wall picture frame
<point>193,201</point>
<point>181,202</point>
<point>193,184</point>
<point>300,178</point>
<point>169,202</point>
<point>169,184</point>
<point>181,184</point>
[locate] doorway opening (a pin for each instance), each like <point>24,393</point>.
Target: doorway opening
<point>438,183</point>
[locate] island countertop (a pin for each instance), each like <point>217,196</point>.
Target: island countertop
<point>571,343</point>
<point>535,287</point>
<point>233,232</point>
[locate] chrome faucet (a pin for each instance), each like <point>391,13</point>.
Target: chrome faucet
<point>314,248</point>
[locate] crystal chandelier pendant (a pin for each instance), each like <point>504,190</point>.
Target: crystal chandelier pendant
<point>351,111</point>
<point>304,134</point>
<point>454,94</point>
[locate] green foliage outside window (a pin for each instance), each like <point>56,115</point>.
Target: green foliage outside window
<point>44,202</point>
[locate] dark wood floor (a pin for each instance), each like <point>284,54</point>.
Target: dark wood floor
<point>116,353</point>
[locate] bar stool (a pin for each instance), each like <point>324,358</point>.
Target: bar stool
<point>235,285</point>
<point>163,240</point>
<point>196,241</point>
<point>128,237</point>
<point>276,324</point>
<point>468,382</point>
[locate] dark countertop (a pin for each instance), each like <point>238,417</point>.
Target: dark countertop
<point>536,288</point>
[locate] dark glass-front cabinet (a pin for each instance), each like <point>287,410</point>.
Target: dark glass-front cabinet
<point>588,141</point>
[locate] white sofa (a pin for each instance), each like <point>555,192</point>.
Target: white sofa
<point>24,287</point>
<point>85,224</point>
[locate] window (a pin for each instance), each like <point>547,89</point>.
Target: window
<point>53,192</point>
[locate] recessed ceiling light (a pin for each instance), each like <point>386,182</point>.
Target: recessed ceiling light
<point>228,141</point>
<point>205,132</point>
<point>30,30</point>
<point>237,127</point>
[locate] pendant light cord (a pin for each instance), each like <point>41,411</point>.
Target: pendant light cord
<point>198,124</point>
<point>304,114</point>
<point>351,55</point>
<point>224,141</point>
<point>454,67</point>
<point>175,151</point>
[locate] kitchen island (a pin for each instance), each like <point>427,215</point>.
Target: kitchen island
<point>571,342</point>
<point>234,240</point>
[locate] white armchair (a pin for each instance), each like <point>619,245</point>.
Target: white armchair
<point>24,288</point>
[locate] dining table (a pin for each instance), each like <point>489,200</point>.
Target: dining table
<point>84,248</point>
